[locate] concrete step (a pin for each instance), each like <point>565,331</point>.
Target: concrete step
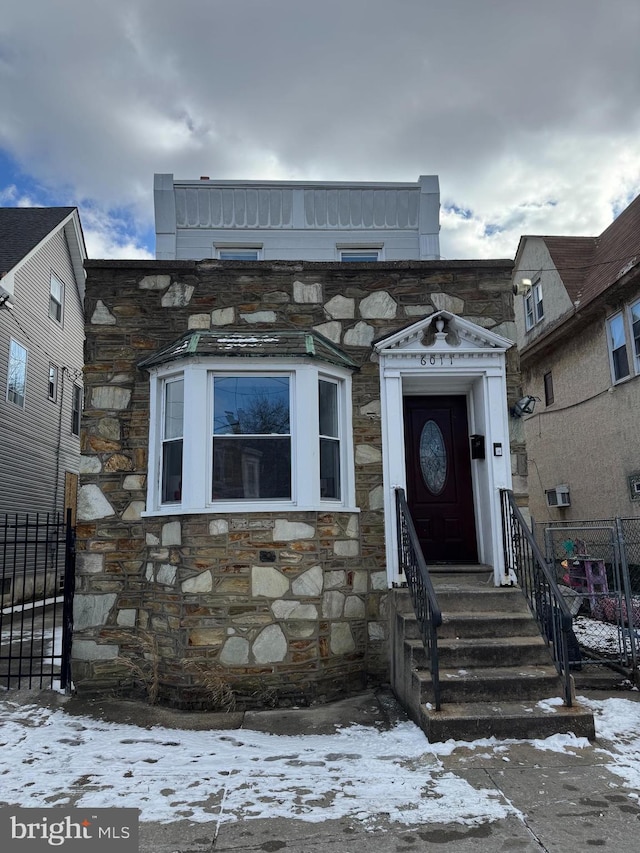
<point>459,570</point>
<point>458,599</point>
<point>483,684</point>
<point>482,652</point>
<point>531,719</point>
<point>488,624</point>
<point>473,625</point>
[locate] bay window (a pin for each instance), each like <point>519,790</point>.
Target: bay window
<point>238,434</point>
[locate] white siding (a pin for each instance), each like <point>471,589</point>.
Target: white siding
<point>37,443</point>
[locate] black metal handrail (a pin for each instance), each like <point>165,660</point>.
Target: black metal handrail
<point>425,604</point>
<point>535,577</point>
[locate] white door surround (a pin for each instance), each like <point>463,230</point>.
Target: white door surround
<point>444,355</point>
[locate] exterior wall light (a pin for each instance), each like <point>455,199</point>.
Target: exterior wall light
<point>524,406</point>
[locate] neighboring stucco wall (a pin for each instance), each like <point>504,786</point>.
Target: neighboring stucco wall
<point>589,436</point>
<point>279,606</point>
<point>535,262</point>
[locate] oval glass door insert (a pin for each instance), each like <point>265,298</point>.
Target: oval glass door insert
<point>433,457</point>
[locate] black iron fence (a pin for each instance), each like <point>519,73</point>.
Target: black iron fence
<point>524,557</point>
<point>428,615</point>
<point>37,577</point>
<point>597,565</point>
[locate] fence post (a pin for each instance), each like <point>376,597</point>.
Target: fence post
<point>67,606</point>
<point>619,544</point>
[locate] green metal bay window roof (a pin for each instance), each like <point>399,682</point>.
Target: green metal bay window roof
<point>220,344</point>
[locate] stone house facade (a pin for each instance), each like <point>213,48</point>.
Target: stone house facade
<point>243,435</point>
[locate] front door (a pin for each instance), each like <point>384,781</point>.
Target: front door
<point>439,492</point>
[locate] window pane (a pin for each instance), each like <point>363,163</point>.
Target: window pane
<point>56,289</point>
<point>528,308</point>
<point>329,468</point>
<point>548,388</point>
<point>635,327</point>
<point>620,363</point>
<point>174,409</point>
<point>17,374</point>
<point>358,257</point>
<point>616,332</point>
<point>238,254</point>
<point>246,468</point>
<point>172,471</point>
<point>76,409</point>
<point>328,403</point>
<point>55,300</point>
<point>245,405</point>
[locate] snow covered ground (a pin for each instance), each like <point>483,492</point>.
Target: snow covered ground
<point>50,757</point>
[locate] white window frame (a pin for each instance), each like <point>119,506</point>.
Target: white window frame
<point>238,248</point>
<point>618,316</point>
<point>53,382</point>
<point>346,252</point>
<point>533,305</point>
<point>53,299</point>
<point>634,341</point>
<point>197,461</point>
<point>11,394</point>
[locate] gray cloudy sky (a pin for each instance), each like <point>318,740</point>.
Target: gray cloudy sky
<point>528,111</point>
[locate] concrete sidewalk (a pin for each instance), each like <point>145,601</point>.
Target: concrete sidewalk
<point>565,800</point>
<point>568,803</point>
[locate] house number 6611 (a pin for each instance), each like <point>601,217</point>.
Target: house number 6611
<point>434,358</point>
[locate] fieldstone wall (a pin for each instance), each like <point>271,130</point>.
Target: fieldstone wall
<point>270,607</point>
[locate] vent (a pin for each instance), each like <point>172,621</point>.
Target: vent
<point>559,496</point>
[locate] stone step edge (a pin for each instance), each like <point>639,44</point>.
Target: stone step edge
<point>509,710</point>
<point>483,615</point>
<point>449,643</point>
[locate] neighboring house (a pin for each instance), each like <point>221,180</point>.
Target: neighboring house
<point>295,220</point>
<point>578,321</point>
<point>42,253</point>
<point>244,429</point>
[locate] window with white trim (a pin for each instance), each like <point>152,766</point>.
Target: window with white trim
<point>239,253</point>
<point>617,343</point>
<point>17,373</point>
<point>249,435</point>
<point>172,432</point>
<point>533,305</point>
<point>329,435</point>
<point>56,298</point>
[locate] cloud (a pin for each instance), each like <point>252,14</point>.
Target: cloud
<point>513,104</point>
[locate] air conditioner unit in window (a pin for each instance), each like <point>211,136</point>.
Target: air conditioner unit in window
<point>559,496</point>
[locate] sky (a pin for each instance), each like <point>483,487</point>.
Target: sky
<point>527,112</point>
<point>50,756</point>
